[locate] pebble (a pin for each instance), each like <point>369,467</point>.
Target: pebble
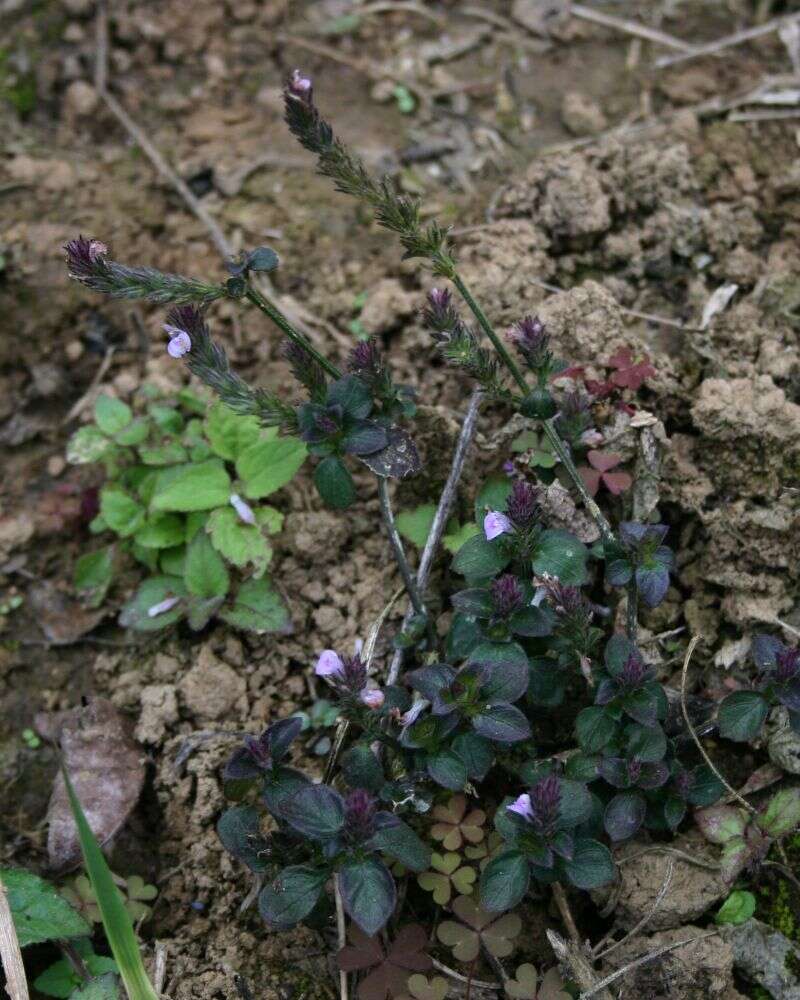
<point>80,98</point>
<point>74,350</point>
<point>55,466</point>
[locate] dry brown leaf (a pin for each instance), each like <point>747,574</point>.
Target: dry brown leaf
<point>63,621</point>
<point>106,768</point>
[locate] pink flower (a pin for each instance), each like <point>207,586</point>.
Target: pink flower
<point>180,342</point>
<point>413,713</point>
<point>329,664</point>
<point>299,86</point>
<point>244,510</point>
<point>163,606</point>
<point>522,807</point>
<point>495,524</point>
<point>97,249</point>
<point>373,698</point>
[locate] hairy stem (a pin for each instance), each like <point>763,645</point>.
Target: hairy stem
<point>632,617</point>
<point>277,317</point>
<point>487,328</point>
<point>397,547</point>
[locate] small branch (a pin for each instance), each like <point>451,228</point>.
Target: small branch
<point>338,741</point>
<point>160,967</point>
<point>10,953</point>
<point>748,34</point>
<point>397,547</point>
<point>459,978</point>
<point>694,735</point>
<point>562,451</point>
<point>642,961</point>
<point>283,324</point>
<point>442,514</point>
<point>341,931</point>
<point>631,28</point>
<point>100,374</point>
<point>566,913</point>
<point>648,916</point>
<point>578,964</point>
<point>486,326</point>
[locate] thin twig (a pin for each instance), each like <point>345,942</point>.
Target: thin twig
<point>648,916</point>
<point>566,913</point>
<point>100,374</point>
<point>763,116</point>
<point>441,516</point>
<point>400,6</point>
<point>10,953</point>
<point>728,41</point>
<point>341,931</point>
<point>397,546</point>
<point>631,28</point>
<point>651,956</point>
<point>459,978</point>
<point>694,735</point>
<point>690,859</point>
<point>160,967</point>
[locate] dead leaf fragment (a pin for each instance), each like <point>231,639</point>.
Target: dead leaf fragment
<point>106,768</point>
<point>63,621</point>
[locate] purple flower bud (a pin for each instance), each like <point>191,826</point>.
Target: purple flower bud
<point>85,258</point>
<point>365,358</point>
<point>509,468</point>
<point>259,749</point>
<point>633,674</point>
<point>787,665</point>
<point>300,86</point>
<point>545,802</point>
<point>506,594</point>
<point>522,807</point>
<point>180,341</point>
<point>354,672</point>
<point>373,698</point>
<point>244,510</point>
<point>329,664</point>
<point>162,607</point>
<point>359,814</point>
<point>531,340</point>
<point>523,506</point>
<point>440,299</point>
<point>495,523</point>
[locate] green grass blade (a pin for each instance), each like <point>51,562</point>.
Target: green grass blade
<point>116,921</point>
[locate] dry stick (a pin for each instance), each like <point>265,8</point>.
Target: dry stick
<point>441,516</point>
<point>397,547</point>
<point>160,967</point>
<point>341,931</point>
<point>729,40</point>
<point>642,961</point>
<point>10,953</point>
<point>78,408</point>
<point>566,913</point>
<point>580,968</point>
<point>694,735</point>
<point>648,916</point>
<point>459,978</point>
<point>631,28</point>
<point>403,7</point>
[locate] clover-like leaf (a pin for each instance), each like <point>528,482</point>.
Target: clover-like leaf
<point>422,988</point>
<point>475,927</point>
<point>446,874</point>
<point>455,825</point>
<point>390,968</point>
<point>527,985</point>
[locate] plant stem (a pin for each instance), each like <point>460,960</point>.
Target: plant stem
<point>632,622</point>
<point>397,547</point>
<point>561,449</point>
<point>277,317</point>
<point>566,913</point>
<point>486,326</point>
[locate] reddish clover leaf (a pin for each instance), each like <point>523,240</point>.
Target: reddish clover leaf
<point>390,969</point>
<point>629,373</point>
<point>599,472</point>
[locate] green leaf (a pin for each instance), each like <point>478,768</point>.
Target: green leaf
<point>291,896</point>
<point>258,608</point>
<point>502,723</point>
<point>737,908</point>
<point>782,814</point>
<point>240,832</point>
<point>561,554</point>
<point>116,921</point>
<point>478,558</point>
<point>238,542</point>
<point>595,728</point>
<point>360,767</point>
<point>504,882</point>
<point>447,769</point>
<point>93,574</point>
<point>39,913</point>
<point>167,418</point>
<point>111,415</point>
<point>476,752</point>
<point>458,534</point>
<point>415,525</point>
<point>120,511</point>
<point>171,453</point>
<point>200,611</point>
<point>172,562</point>
<point>352,395</point>
<point>152,592</point>
<point>268,465</point>
<point>493,495</point>
<point>230,433</point>
<point>192,487</point>
<point>399,841</point>
<point>88,444</point>
<point>105,987</point>
<point>315,811</point>
<point>368,893</point>
<point>205,574</point>
<point>161,531</point>
<point>742,714</point>
<point>334,482</point>
<point>135,433</point>
<point>591,865</point>
<point>61,979</point>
